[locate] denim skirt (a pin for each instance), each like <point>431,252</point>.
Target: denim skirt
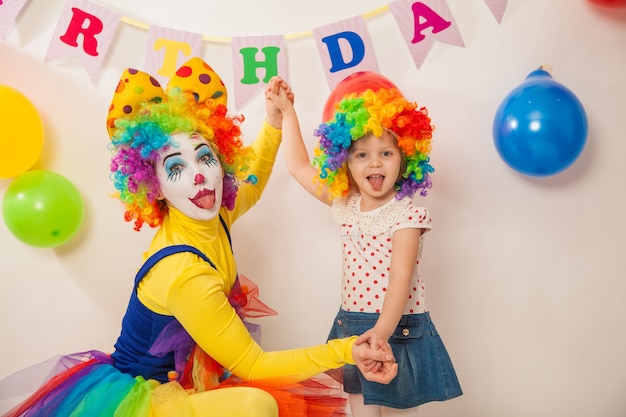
<point>425,371</point>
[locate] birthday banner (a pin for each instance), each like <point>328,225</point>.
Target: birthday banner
<point>86,30</point>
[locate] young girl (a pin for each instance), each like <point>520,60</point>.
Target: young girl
<point>180,166</point>
<point>371,159</point>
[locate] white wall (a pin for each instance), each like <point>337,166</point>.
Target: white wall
<point>526,275</point>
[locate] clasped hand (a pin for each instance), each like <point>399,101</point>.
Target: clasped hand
<point>377,364</point>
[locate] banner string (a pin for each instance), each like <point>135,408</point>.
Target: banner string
<point>225,40</point>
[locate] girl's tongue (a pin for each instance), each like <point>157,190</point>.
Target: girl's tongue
<point>376,181</point>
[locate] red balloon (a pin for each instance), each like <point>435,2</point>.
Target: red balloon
<point>613,4</point>
<point>354,83</point>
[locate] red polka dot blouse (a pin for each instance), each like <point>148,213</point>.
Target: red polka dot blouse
<point>367,251</point>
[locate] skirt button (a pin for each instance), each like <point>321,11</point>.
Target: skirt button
<point>405,332</point>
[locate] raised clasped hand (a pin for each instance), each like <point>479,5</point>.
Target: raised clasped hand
<point>277,88</point>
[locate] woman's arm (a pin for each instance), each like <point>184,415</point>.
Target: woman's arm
<point>197,300</point>
<point>265,148</point>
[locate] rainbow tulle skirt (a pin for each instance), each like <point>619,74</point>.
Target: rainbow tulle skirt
<point>87,384</point>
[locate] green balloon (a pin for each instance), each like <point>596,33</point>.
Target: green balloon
<point>42,208</point>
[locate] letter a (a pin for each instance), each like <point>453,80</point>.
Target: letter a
<point>430,19</point>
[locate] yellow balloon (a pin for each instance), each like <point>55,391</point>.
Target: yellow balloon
<point>21,133</point>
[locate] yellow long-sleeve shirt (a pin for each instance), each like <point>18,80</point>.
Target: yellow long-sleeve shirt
<point>188,288</point>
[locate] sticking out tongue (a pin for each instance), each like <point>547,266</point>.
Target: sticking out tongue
<point>205,199</point>
<point>376,181</point>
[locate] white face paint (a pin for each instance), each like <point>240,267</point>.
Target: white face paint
<point>191,177</point>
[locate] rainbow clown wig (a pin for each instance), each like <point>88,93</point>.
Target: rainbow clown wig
<point>369,111</point>
<point>142,117</point>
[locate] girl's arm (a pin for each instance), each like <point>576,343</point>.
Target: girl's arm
<point>294,150</point>
<point>405,244</point>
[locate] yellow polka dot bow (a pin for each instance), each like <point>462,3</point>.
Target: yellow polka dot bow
<point>136,87</point>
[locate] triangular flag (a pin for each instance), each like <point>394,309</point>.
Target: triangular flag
<point>256,59</point>
<point>497,7</point>
<point>345,47</point>
<point>9,9</point>
<point>84,29</point>
<point>424,22</point>
<point>168,49</point>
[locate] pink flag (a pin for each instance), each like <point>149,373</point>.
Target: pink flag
<point>9,9</point>
<point>433,17</point>
<point>168,49</point>
<point>83,29</point>
<point>345,47</point>
<point>497,8</point>
<point>251,54</point>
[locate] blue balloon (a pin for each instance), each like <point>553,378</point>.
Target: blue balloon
<point>540,128</point>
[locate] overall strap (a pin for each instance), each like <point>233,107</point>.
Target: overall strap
<point>170,250</point>
<point>227,232</point>
<point>167,251</point>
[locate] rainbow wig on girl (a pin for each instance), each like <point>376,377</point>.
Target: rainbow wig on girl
<point>142,119</point>
<point>358,114</point>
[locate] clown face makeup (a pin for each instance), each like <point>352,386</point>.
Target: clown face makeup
<point>191,177</point>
